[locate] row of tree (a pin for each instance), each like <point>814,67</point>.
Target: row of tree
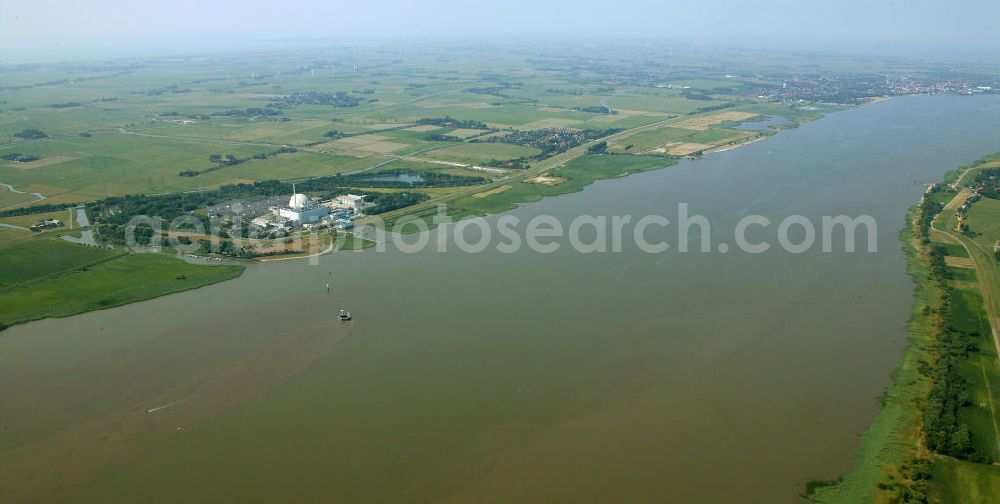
<point>19,158</point>
<point>551,141</point>
<point>31,134</point>
<point>224,160</point>
<point>451,122</point>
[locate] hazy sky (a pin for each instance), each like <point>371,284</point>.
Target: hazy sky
<point>873,26</point>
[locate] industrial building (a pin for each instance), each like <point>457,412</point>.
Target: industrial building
<point>352,201</point>
<point>303,211</point>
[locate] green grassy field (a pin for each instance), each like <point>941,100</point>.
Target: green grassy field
<point>156,118</point>
<point>956,250</point>
<point>480,152</point>
<point>127,279</point>
<point>956,481</point>
<point>661,101</point>
<point>979,371</point>
<point>232,129</point>
<point>9,198</point>
<point>984,220</point>
<point>35,259</point>
<point>43,276</point>
<point>980,248</point>
<point>8,235</point>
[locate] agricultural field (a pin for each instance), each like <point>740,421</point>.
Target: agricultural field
<point>10,198</point>
<point>481,153</point>
<point>958,481</point>
<point>979,371</point>
<point>974,272</point>
<point>26,221</point>
<point>8,235</point>
<point>984,220</point>
<point>666,102</point>
<point>464,133</point>
<point>41,258</point>
<point>677,141</point>
<point>133,127</point>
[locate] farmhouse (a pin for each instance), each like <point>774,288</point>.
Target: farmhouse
<point>46,224</point>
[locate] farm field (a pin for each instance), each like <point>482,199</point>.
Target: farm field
<point>66,216</point>
<point>984,220</point>
<point>41,258</point>
<point>963,482</point>
<point>980,371</point>
<point>970,313</point>
<point>8,235</point>
<point>481,153</point>
<point>9,198</point>
<point>135,128</point>
<point>661,101</point>
<point>668,140</point>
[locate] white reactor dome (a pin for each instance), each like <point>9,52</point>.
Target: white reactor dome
<point>298,202</point>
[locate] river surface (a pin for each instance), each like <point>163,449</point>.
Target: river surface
<point>697,377</point>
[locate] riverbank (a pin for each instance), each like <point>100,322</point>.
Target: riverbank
<point>937,434</point>
<point>893,438</point>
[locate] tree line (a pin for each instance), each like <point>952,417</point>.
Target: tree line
<point>224,160</point>
<point>451,122</point>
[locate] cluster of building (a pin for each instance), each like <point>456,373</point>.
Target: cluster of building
<point>301,211</point>
<point>850,88</point>
<point>46,224</point>
<point>963,210</point>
